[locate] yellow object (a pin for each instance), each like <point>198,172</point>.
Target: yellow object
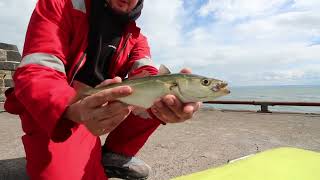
<point>276,164</point>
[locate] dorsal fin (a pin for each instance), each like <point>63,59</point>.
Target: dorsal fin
<point>163,70</point>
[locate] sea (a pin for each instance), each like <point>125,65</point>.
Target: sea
<point>289,93</point>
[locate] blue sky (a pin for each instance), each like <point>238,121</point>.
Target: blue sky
<point>245,42</point>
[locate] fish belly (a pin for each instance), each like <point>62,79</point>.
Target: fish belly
<point>144,94</point>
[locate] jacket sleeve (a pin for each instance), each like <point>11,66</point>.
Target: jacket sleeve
<point>41,85</point>
<point>140,62</point>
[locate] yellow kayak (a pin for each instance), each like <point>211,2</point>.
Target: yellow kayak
<point>276,164</point>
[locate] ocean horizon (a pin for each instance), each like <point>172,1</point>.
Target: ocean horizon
<point>286,93</point>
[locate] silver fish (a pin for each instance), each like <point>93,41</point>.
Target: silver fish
<point>187,87</point>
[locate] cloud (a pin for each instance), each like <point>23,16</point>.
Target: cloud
<point>230,10</point>
<point>14,19</point>
<point>244,42</point>
<point>240,39</point>
<point>163,19</point>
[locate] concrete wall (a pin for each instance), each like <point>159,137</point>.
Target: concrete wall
<point>9,60</point>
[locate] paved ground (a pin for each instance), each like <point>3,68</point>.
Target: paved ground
<point>211,139</point>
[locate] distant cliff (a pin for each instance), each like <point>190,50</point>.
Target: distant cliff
<point>9,60</point>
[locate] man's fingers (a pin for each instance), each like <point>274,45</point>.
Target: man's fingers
<point>108,111</point>
<point>174,105</point>
<point>110,124</point>
<point>104,96</point>
<point>110,81</point>
<point>186,71</point>
<point>160,116</point>
<point>99,125</point>
<point>106,125</point>
<point>192,107</point>
<point>162,110</point>
<point>189,108</point>
<point>183,111</point>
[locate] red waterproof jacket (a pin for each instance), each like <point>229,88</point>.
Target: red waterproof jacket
<point>54,50</point>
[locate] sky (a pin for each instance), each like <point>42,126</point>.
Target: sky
<point>244,42</point>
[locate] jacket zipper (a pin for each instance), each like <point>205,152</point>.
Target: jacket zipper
<point>77,67</point>
<point>111,67</point>
<point>118,54</point>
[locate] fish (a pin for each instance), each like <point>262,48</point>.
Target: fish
<point>186,87</point>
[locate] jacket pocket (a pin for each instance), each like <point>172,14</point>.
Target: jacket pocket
<point>12,105</point>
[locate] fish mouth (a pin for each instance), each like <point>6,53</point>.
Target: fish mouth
<point>221,92</point>
<point>221,87</point>
<point>225,90</point>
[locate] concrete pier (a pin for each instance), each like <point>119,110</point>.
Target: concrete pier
<point>211,139</point>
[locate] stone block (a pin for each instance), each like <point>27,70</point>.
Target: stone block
<point>8,65</point>
<point>13,56</point>
<point>2,97</point>
<point>8,83</point>
<point>7,74</point>
<point>2,85</point>
<point>10,47</point>
<point>2,74</point>
<point>3,55</point>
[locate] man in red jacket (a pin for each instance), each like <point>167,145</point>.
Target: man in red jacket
<point>72,44</point>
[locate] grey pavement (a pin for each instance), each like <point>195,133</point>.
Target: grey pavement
<point>211,139</point>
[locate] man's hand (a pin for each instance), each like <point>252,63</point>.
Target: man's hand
<point>170,109</point>
<point>100,113</point>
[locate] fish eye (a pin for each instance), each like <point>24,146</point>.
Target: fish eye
<point>205,82</point>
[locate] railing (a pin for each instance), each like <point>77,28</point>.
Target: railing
<point>265,104</point>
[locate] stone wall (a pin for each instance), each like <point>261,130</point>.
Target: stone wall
<point>9,60</point>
